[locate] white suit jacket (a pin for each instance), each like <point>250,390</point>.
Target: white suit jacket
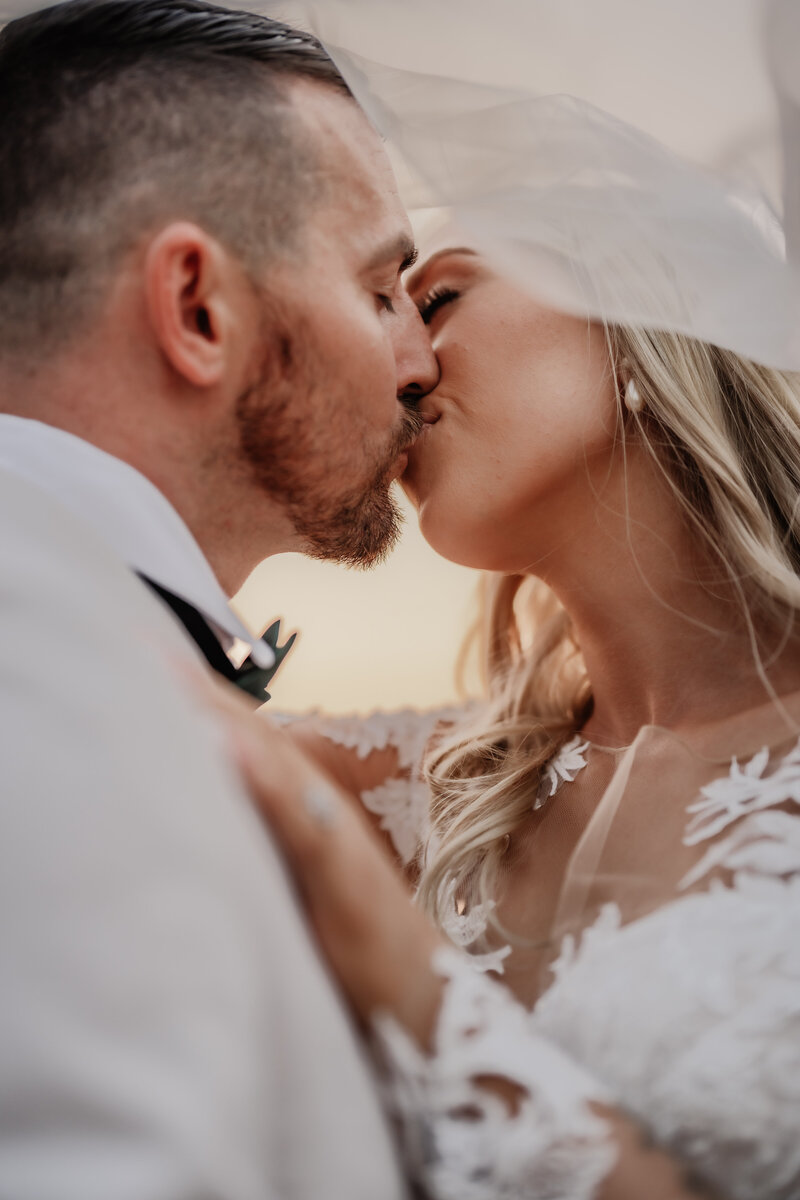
<point>167,1031</point>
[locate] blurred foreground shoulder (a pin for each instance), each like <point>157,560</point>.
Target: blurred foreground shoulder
<point>167,1029</point>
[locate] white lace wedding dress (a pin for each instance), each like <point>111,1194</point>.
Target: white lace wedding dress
<point>673,979</point>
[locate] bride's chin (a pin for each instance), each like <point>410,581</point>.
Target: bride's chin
<point>441,536</point>
<point>460,540</point>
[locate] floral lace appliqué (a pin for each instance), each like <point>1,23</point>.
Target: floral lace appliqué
<point>466,928</point>
<point>562,768</point>
<point>401,801</point>
<point>462,1142</point>
<point>745,790</point>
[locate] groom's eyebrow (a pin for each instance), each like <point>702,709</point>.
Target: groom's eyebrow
<point>400,249</point>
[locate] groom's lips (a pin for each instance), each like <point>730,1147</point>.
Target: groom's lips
<point>425,419</point>
<point>428,419</point>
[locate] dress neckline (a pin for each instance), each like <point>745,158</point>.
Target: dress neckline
<point>739,734</point>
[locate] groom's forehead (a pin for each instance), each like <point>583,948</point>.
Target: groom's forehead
<point>351,156</point>
<point>360,216</point>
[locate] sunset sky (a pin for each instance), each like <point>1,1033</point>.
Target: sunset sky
<point>385,638</point>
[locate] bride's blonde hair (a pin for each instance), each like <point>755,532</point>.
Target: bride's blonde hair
<point>725,433</point>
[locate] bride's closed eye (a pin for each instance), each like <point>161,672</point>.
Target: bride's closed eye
<point>436,298</point>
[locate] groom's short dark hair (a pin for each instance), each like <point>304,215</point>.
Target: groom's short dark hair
<point>117,114</point>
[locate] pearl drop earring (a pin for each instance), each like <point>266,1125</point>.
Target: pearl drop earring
<point>633,397</point>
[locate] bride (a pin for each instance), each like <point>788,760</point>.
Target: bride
<point>613,834</point>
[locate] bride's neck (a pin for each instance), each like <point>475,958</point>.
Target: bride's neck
<point>663,635</point>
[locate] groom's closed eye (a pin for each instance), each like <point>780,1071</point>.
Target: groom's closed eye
<point>399,252</point>
<point>386,267</point>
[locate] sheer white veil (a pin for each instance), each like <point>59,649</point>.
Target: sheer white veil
<point>632,160</point>
<point>628,159</point>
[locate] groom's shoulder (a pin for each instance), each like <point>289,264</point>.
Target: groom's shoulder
<point>51,562</point>
<point>147,927</point>
<point>71,607</point>
<point>91,665</point>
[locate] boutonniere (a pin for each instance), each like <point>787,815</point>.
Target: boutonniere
<point>255,680</point>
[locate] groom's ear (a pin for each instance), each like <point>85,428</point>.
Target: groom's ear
<point>190,296</point>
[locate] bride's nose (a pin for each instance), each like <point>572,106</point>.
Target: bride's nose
<point>417,368</point>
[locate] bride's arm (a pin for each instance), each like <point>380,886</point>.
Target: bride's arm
<point>489,1109</point>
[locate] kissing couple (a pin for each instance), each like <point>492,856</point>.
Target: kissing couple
<point>558,928</point>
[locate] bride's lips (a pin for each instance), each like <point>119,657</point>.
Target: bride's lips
<point>428,419</point>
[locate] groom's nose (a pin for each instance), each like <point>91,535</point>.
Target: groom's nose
<point>417,368</point>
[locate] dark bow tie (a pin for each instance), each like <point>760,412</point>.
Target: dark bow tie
<point>249,677</point>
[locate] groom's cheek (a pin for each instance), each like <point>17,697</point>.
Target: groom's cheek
<point>361,343</point>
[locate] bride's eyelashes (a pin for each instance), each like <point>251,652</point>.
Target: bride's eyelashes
<point>436,298</point>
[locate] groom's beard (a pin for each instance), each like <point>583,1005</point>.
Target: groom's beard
<point>298,441</point>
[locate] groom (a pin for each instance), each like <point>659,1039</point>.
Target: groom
<point>206,357</point>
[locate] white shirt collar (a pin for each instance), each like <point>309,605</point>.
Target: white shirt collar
<point>128,512</point>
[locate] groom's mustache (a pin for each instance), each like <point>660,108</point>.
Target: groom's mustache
<point>411,423</point>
